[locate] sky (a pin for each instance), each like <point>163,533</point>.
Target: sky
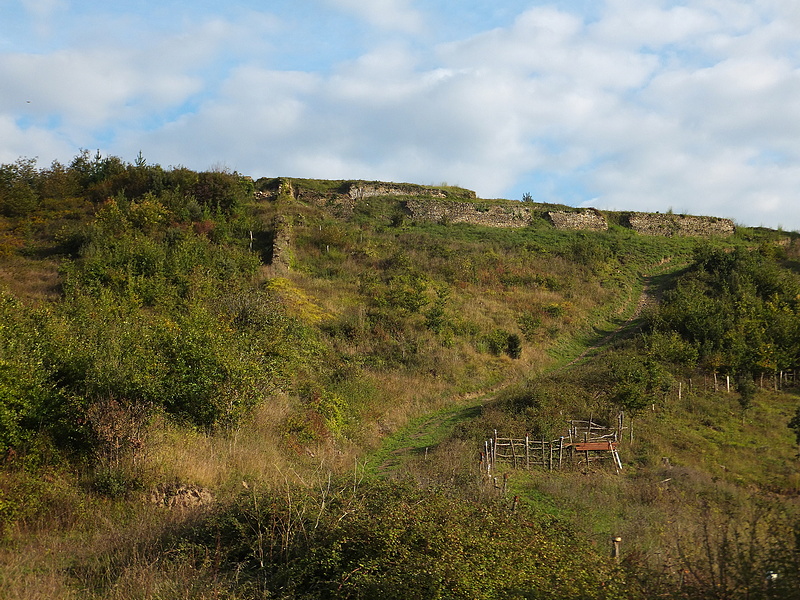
<point>648,105</point>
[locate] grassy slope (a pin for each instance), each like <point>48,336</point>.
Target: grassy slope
<point>422,384</point>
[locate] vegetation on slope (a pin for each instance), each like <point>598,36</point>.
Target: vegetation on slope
<point>149,345</point>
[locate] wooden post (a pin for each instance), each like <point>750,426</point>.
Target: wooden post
<point>615,547</point>
<point>544,457</point>
<point>513,452</point>
<point>728,383</point>
<point>527,453</point>
<point>680,390</point>
<point>514,504</point>
<point>550,445</point>
<point>493,449</point>
<point>560,451</point>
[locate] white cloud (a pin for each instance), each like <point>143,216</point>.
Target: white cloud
<point>648,105</point>
<point>31,142</point>
<point>392,15</point>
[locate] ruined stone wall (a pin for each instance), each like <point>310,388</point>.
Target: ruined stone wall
<point>515,214</point>
<point>361,189</point>
<point>368,190</point>
<point>435,205</point>
<point>488,215</point>
<point>583,220</point>
<point>282,245</point>
<point>679,225</point>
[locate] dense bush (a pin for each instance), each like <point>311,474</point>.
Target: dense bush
<point>393,540</point>
<point>739,311</point>
<point>159,305</point>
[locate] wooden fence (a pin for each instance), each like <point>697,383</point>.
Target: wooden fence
<point>586,443</point>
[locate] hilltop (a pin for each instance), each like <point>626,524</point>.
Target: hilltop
<point>453,205</point>
<point>217,386</point>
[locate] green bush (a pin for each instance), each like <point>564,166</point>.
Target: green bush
<point>394,541</point>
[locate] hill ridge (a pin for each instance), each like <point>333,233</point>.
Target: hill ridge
<point>453,205</point>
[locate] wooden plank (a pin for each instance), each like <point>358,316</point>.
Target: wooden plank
<point>587,446</point>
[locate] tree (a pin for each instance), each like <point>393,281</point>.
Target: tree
<point>18,195</point>
<point>746,387</point>
<point>514,346</point>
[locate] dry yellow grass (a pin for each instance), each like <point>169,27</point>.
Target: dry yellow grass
<point>253,449</point>
<point>30,279</point>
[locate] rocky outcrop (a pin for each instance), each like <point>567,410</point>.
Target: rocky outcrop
<point>178,496</point>
<point>589,219</point>
<point>669,225</point>
<point>474,213</point>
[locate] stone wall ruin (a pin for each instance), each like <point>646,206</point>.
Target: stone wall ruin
<point>669,225</point>
<point>582,220</point>
<point>450,212</point>
<point>452,205</point>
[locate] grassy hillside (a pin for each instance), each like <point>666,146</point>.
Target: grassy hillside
<point>215,387</point>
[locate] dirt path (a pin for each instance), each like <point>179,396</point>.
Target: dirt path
<point>423,434</point>
<point>420,436</point>
<point>646,298</point>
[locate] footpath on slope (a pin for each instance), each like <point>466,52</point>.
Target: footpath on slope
<point>649,295</point>
<point>424,433</point>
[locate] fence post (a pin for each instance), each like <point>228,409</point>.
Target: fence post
<point>615,547</point>
<point>527,454</point>
<point>550,445</point>
<point>494,451</point>
<point>513,452</point>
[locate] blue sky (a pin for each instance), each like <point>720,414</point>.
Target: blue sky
<point>622,104</point>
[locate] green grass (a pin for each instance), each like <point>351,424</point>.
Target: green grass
<point>419,436</point>
<point>329,359</point>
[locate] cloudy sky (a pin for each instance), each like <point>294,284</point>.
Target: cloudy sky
<point>651,105</point>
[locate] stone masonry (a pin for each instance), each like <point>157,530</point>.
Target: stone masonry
<point>435,205</point>
<point>679,225</point>
<point>361,190</point>
<point>584,220</point>
<point>282,245</point>
<point>488,215</point>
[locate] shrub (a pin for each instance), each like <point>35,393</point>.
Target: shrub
<point>391,540</point>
